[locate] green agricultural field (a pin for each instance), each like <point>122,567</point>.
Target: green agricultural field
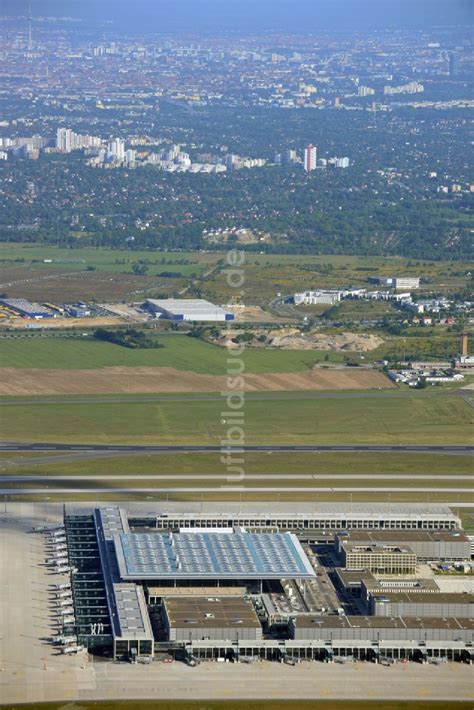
<point>179,351</point>
<point>357,419</point>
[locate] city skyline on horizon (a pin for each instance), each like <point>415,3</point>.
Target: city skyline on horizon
<point>242,15</point>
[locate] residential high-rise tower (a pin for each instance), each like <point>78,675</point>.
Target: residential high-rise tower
<point>310,156</point>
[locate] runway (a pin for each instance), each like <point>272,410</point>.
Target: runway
<point>217,397</point>
<point>183,448</point>
<point>226,489</point>
<point>224,476</point>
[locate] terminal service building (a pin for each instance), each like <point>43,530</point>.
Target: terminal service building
<point>141,588</point>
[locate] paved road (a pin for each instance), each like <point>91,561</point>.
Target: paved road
<point>425,448</point>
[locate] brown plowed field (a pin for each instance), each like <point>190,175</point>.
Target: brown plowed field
<point>128,380</point>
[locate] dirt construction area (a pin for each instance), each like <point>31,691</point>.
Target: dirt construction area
<point>252,314</point>
<point>32,670</point>
<point>293,339</point>
<point>142,380</point>
<point>58,323</point>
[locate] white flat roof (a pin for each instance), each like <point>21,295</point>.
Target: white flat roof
<point>185,305</point>
<point>326,510</point>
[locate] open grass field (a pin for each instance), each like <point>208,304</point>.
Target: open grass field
<point>194,355</point>
<point>467,519</point>
<point>273,704</point>
<point>95,274</point>
<point>60,284</point>
<point>200,464</point>
<point>360,310</point>
<point>265,275</point>
<point>354,420</point>
<point>115,261</point>
<point>179,351</point>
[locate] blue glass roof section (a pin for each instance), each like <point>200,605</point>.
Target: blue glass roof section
<point>211,555</point>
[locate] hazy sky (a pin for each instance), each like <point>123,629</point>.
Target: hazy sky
<point>299,15</point>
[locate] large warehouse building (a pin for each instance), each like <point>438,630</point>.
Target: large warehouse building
<point>188,309</point>
<point>27,309</point>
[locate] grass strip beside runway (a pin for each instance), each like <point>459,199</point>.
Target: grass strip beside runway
<point>411,420</point>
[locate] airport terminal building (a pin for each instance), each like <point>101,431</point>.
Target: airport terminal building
<point>205,592</point>
<point>308,519</point>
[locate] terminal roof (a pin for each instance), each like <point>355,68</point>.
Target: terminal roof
<point>211,556</point>
<point>211,612</point>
